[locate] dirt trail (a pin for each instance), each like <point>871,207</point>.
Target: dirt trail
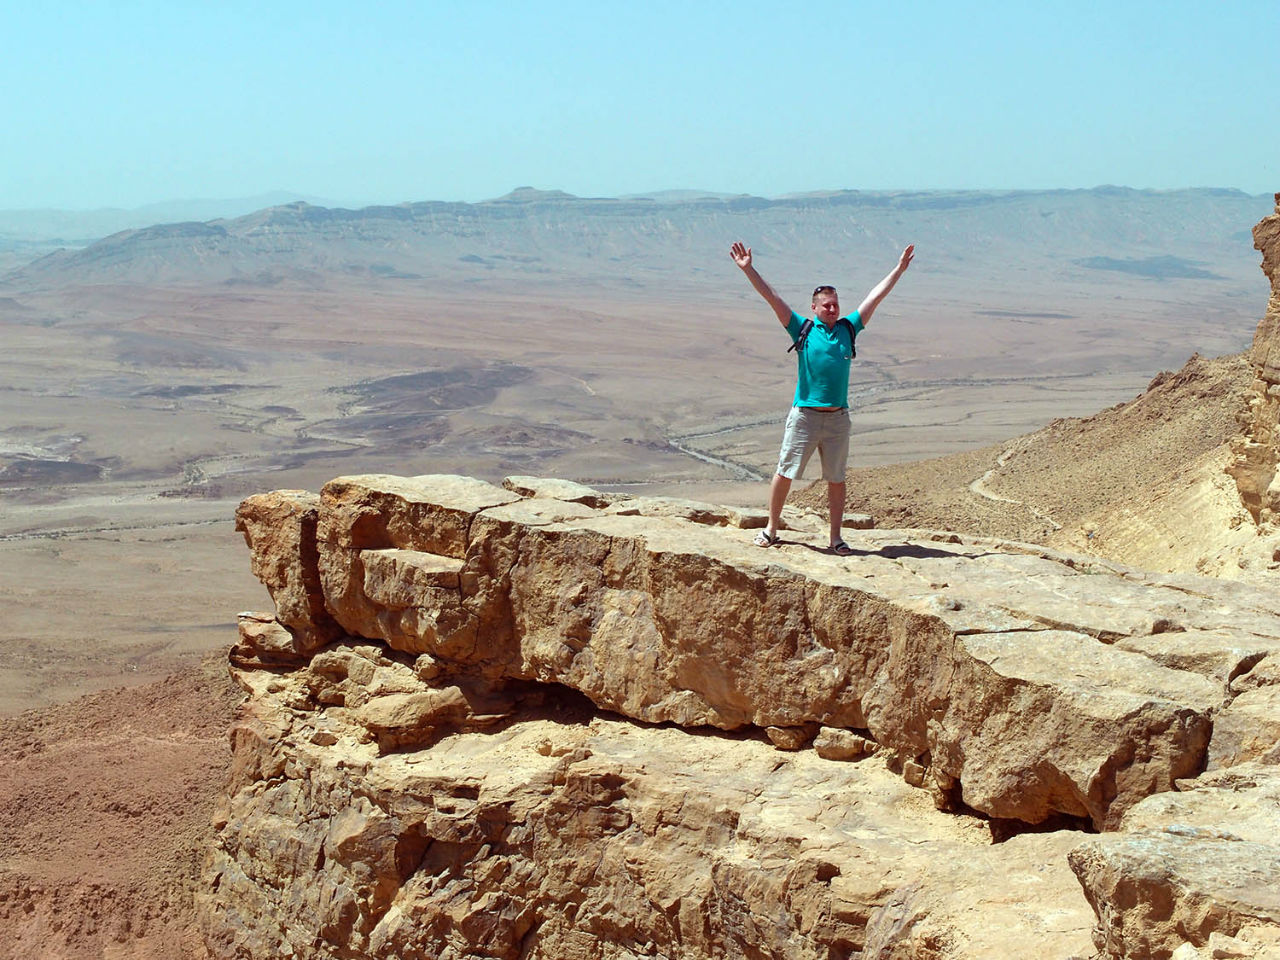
<point>980,487</point>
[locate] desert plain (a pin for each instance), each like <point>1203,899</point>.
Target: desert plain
<point>152,379</point>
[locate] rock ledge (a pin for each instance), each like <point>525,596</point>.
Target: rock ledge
<point>494,722</point>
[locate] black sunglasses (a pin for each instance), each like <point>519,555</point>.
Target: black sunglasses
<point>825,288</point>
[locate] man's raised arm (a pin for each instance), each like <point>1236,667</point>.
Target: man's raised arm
<point>742,257</point>
<point>881,289</point>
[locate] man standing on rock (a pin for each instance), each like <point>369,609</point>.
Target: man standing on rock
<point>819,418</point>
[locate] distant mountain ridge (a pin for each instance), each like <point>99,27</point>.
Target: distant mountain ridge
<point>529,232</point>
<point>77,227</point>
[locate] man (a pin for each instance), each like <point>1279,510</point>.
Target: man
<point>819,418</point>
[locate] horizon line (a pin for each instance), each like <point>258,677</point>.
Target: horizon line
<point>557,193</point>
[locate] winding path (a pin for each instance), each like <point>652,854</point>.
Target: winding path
<point>979,486</point>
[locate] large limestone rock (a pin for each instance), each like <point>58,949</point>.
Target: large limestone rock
<point>1002,678</point>
<point>1154,891</point>
<point>474,769</point>
<point>1248,728</point>
<point>280,531</point>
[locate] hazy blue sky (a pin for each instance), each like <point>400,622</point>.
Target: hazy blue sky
<point>126,103</point>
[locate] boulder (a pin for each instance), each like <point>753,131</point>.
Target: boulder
<point>1189,868</point>
<point>695,511</point>
<point>1154,891</point>
<point>553,489</point>
<point>280,530</point>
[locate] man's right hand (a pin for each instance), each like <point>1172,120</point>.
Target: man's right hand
<point>741,254</point>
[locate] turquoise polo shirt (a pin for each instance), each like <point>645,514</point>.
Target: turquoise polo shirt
<point>822,375</point>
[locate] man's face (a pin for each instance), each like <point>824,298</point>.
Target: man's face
<point>826,306</point>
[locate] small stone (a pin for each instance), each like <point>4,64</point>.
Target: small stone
<point>789,738</point>
<point>1223,947</point>
<point>427,667</point>
<point>913,773</point>
<point>832,743</point>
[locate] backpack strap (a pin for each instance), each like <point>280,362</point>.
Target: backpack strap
<point>853,335</point>
<point>802,337</point>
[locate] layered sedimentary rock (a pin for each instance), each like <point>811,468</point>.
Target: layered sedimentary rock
<point>596,728</point>
<point>1256,468</point>
<point>566,836</point>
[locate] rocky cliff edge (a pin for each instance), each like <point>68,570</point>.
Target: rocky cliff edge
<point>538,721</point>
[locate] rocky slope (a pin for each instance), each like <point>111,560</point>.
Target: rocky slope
<point>532,722</point>
<point>1051,482</point>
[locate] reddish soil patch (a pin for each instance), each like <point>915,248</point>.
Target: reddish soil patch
<point>105,811</point>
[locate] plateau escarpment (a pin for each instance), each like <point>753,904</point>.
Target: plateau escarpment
<point>541,721</point>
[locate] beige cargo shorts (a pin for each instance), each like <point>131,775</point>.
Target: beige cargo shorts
<point>826,431</point>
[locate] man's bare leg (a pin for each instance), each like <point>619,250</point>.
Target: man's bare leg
<point>778,491</point>
<point>835,506</point>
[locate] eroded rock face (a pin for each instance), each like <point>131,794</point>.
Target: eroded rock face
<point>1257,450</point>
<point>442,779</point>
<point>1000,678</point>
<point>1154,891</point>
<point>280,531</point>
<point>567,836</point>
